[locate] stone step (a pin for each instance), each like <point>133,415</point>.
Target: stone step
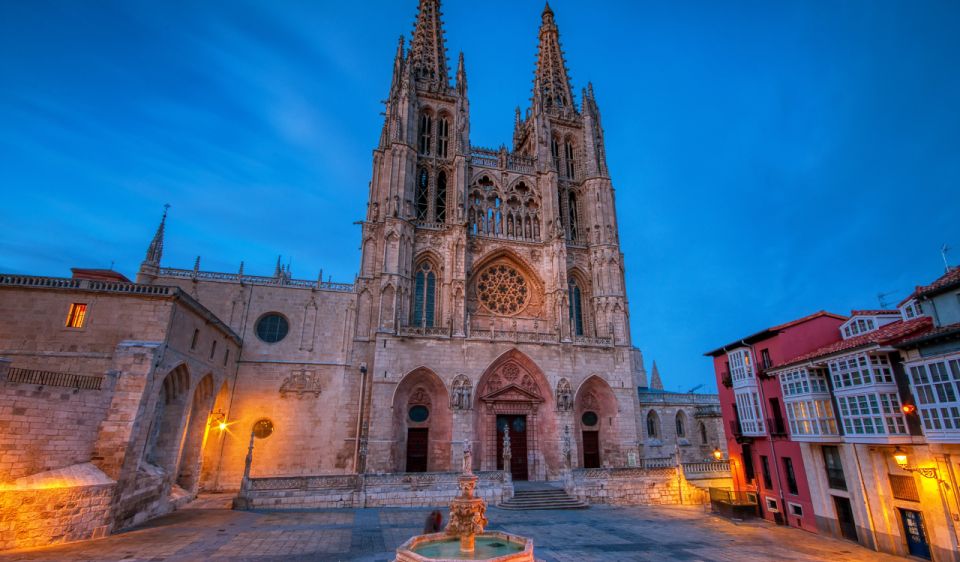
<point>552,498</point>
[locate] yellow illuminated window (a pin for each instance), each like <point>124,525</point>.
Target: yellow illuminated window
<point>76,316</point>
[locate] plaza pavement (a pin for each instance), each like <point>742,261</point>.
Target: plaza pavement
<point>207,530</point>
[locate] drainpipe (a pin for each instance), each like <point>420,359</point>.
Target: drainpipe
<point>773,448</point>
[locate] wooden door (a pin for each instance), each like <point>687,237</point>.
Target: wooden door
<point>517,426</point>
<point>591,449</point>
<point>418,444</point>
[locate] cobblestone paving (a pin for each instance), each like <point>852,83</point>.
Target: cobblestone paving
<point>206,530</point>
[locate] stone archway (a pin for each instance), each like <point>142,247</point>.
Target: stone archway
<point>597,424</point>
<point>422,422</point>
<point>165,435</point>
<point>197,424</point>
<point>512,395</point>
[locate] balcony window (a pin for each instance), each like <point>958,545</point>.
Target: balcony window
<point>797,382</point>
<point>751,413</point>
<point>937,387</point>
<point>741,367</point>
<point>859,370</point>
<point>811,418</point>
<point>873,414</point>
<point>765,468</point>
<point>834,468</point>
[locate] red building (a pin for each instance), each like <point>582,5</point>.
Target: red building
<point>764,462</point>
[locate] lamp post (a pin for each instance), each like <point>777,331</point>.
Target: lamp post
<point>717,454</point>
<point>903,461</point>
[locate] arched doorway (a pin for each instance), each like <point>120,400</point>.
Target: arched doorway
<point>596,417</point>
<point>196,428</point>
<point>509,399</point>
<point>164,439</point>
<point>423,423</point>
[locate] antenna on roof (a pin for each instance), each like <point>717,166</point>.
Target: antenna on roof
<point>882,299</point>
<point>943,253</point>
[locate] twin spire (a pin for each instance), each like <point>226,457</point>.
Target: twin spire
<point>155,250</point>
<point>428,60</point>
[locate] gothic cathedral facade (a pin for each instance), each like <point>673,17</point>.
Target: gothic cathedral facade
<point>490,304</point>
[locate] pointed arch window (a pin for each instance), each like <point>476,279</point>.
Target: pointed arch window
<point>653,425</point>
<point>443,135</point>
<point>422,195</point>
<point>571,163</point>
<point>426,130</point>
<point>703,433</point>
<point>572,209</point>
<point>425,295</point>
<point>681,425</point>
<point>440,203</point>
<point>555,149</point>
<point>575,298</point>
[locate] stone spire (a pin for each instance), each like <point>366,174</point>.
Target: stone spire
<point>428,55</point>
<point>155,250</point>
<point>655,382</point>
<point>552,89</point>
<point>461,76</point>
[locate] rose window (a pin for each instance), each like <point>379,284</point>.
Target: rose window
<point>502,290</point>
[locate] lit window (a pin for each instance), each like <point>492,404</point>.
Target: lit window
<point>76,316</point>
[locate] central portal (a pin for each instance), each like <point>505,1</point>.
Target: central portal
<point>517,427</point>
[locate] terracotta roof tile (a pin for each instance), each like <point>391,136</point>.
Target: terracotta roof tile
<point>885,335</point>
<point>949,280</point>
<point>947,330</point>
<point>873,312</point>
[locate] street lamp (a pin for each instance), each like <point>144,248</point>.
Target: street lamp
<point>718,454</point>
<point>900,456</point>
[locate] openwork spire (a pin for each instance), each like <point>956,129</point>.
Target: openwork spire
<point>428,54</point>
<point>551,81</point>
<point>155,250</point>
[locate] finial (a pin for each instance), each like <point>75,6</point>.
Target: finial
<point>278,271</point>
<point>155,249</point>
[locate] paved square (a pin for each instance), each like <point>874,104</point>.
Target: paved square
<point>207,530</point>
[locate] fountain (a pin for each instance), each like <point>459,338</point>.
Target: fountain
<point>464,537</point>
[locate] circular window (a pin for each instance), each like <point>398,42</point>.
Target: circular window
<point>419,414</point>
<point>263,428</point>
<point>272,327</point>
<point>589,419</point>
<point>502,289</point>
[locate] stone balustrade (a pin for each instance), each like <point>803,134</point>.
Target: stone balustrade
<point>255,279</point>
<point>418,489</point>
<point>85,284</point>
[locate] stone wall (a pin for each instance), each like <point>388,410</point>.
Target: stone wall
<point>58,506</point>
<point>426,489</point>
<point>44,427</point>
<point>633,486</point>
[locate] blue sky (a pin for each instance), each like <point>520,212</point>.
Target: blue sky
<point>770,158</point>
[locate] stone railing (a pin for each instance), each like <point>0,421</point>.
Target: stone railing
<point>85,284</point>
<point>658,462</point>
<point>50,378</point>
<point>601,341</point>
<point>430,225</point>
<point>502,159</point>
<point>708,411</point>
<point>428,331</point>
<point>368,490</point>
<point>515,336</point>
<point>621,473</point>
<point>718,468</point>
<point>708,400</point>
<point>255,279</point>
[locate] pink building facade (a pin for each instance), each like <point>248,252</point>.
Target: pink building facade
<point>766,466</point>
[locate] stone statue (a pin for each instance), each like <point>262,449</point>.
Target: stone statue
<point>467,458</point>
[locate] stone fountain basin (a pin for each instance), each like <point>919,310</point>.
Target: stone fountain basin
<point>406,551</point>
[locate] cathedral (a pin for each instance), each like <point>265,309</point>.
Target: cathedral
<point>489,311</point>
<point>490,297</point>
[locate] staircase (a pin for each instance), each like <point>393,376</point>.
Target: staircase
<point>540,495</point>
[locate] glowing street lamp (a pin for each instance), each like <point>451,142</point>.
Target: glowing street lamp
<point>900,456</point>
<point>718,454</point>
